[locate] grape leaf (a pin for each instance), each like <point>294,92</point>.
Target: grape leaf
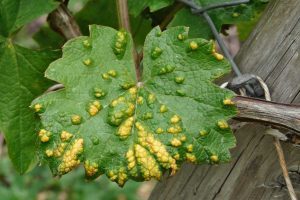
<point>14,14</point>
<point>244,14</point>
<point>137,6</point>
<point>198,25</point>
<point>54,40</point>
<point>21,81</point>
<point>129,129</point>
<point>245,27</point>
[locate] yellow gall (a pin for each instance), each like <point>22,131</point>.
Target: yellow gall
<point>122,177</point>
<point>183,138</point>
<point>179,79</point>
<point>121,36</point>
<point>45,138</point>
<point>147,163</point>
<point>133,90</point>
<point>99,92</point>
<point>151,98</point>
<point>139,126</point>
<point>214,158</point>
<point>70,159</point>
<point>112,178</point>
<point>140,100</point>
<point>105,76</point>
<point>189,148</point>
<point>156,52</point>
<point>118,45</point>
<point>97,104</point>
<point>44,135</point>
<point>174,129</point>
<point>86,43</point>
<point>121,99</point>
<point>131,159</point>
<point>42,132</point>
<point>91,168</point>
<point>114,103</point>
<point>111,173</point>
<point>129,153</point>
<point>130,109</point>
<point>125,128</point>
<point>163,109</point>
<point>218,56</point>
<point>38,107</point>
<point>65,136</point>
<point>159,130</point>
<point>175,142</point>
<point>191,157</point>
<point>131,165</point>
<point>94,108</point>
<point>112,73</point>
<point>175,119</point>
<point>180,36</point>
<point>177,156</point>
<point>87,62</point>
<point>228,102</point>
<point>76,119</point>
<point>59,150</point>
<point>202,132</point>
<point>194,45</point>
<point>49,153</point>
<point>223,124</point>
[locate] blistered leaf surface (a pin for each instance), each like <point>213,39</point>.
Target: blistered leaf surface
<point>115,125</point>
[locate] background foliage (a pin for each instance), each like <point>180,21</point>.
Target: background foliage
<point>39,184</point>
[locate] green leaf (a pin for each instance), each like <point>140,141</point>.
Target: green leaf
<point>16,13</point>
<point>199,27</point>
<point>2,39</point>
<point>53,41</point>
<point>21,81</point>
<point>127,129</point>
<point>137,6</point>
<point>244,14</point>
<point>97,12</point>
<point>246,27</point>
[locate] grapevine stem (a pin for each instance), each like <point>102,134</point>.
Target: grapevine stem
<point>62,21</point>
<point>123,15</point>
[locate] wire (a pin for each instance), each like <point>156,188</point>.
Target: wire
<point>202,11</point>
<point>222,5</point>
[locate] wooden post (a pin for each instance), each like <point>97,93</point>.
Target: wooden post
<point>271,52</point>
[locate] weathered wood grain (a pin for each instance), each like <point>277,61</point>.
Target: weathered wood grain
<point>271,113</point>
<point>272,52</point>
